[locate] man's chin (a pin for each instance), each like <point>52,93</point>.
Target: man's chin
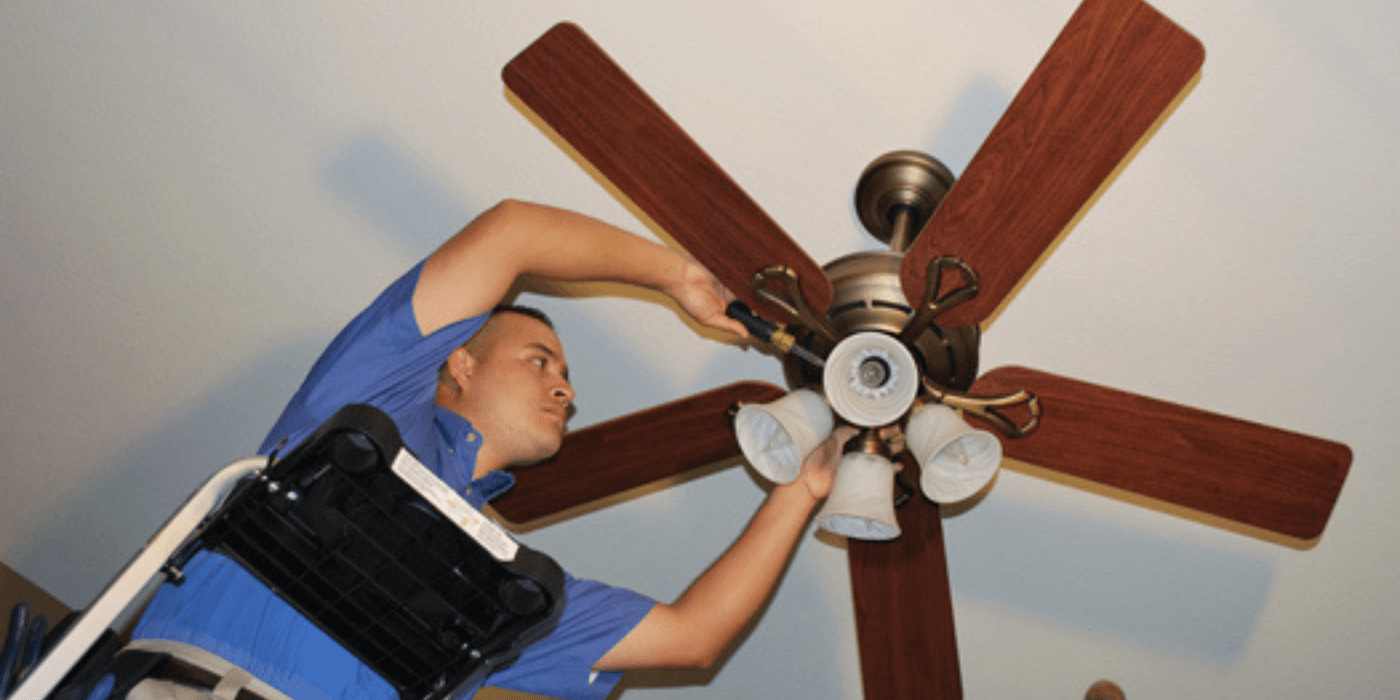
<point>544,454</point>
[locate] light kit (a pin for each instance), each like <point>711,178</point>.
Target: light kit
<point>871,380</point>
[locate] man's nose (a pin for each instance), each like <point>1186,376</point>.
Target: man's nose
<point>564,392</point>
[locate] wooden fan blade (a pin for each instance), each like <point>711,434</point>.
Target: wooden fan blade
<point>1254,474</point>
<point>904,610</point>
<point>576,90</point>
<point>1114,73</point>
<point>631,451</point>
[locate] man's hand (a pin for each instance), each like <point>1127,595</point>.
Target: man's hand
<point>703,297</point>
<point>819,469</point>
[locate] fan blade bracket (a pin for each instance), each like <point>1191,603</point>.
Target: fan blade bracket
<point>992,409</point>
<point>790,299</point>
<point>932,305</point>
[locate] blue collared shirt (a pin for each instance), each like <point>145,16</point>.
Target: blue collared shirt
<point>381,358</point>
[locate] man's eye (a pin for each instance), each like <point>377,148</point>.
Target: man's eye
<point>540,362</point>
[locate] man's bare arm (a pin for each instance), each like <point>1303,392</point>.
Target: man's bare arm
<point>475,269</point>
<point>695,629</point>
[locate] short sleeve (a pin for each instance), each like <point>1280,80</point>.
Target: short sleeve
<point>380,358</point>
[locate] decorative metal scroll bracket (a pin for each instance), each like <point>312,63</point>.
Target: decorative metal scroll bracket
<point>990,408</point>
<point>792,302</point>
<point>932,305</point>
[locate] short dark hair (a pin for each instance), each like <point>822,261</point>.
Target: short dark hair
<point>528,311</point>
<point>523,310</point>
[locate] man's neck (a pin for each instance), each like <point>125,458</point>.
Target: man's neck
<point>487,462</point>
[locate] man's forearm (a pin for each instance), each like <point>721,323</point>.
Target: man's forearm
<point>473,270</point>
<point>723,599</point>
<point>570,246</point>
<point>695,630</point>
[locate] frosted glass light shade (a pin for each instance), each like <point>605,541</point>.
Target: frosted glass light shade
<point>861,504</point>
<point>957,460</point>
<point>775,437</point>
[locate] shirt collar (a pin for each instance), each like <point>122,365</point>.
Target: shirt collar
<point>457,460</point>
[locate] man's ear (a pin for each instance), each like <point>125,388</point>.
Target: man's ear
<point>460,367</point>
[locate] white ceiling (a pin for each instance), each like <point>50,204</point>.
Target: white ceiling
<point>194,196</point>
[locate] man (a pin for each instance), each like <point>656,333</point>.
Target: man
<point>474,394</point>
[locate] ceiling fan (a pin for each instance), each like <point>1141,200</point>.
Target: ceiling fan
<point>959,250</point>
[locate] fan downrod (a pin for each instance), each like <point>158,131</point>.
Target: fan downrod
<point>897,194</point>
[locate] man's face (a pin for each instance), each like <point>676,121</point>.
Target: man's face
<point>518,392</point>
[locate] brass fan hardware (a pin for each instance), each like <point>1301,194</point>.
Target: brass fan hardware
<point>895,196</point>
<point>898,193</point>
<point>932,305</point>
<point>790,300</point>
<point>869,441</point>
<point>867,296</point>
<point>989,408</point>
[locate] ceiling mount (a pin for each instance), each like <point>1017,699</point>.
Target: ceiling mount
<point>898,193</point>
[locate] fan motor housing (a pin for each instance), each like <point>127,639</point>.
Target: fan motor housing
<point>867,296</point>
